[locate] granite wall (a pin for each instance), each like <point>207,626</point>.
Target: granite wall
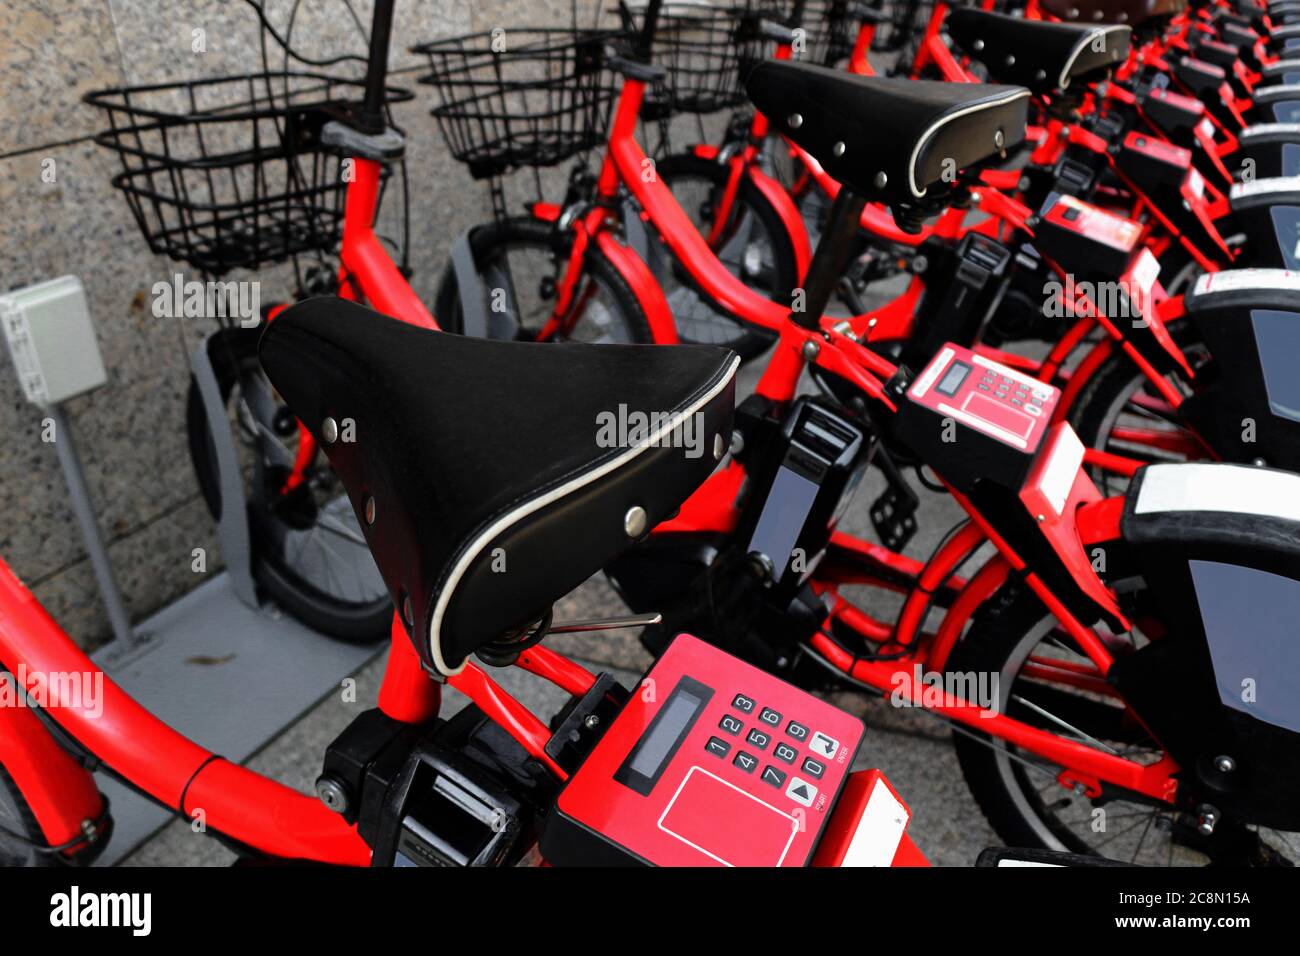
<point>59,215</point>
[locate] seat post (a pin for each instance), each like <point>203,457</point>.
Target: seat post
<point>834,250</point>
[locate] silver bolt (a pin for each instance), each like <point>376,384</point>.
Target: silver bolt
<point>795,121</point>
<point>592,722</point>
<point>332,794</point>
<point>811,349</point>
<point>977,45</point>
<point>1225,764</point>
<point>1041,518</point>
<point>1011,60</point>
<point>1207,819</point>
<point>881,180</point>
<point>370,510</point>
<point>717,447</point>
<point>329,430</point>
<point>634,521</point>
<point>1040,75</point>
<point>838,149</point>
<point>1258,462</point>
<point>737,443</point>
<point>999,138</point>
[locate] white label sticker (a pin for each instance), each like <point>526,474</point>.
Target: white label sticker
<point>879,831</point>
<point>1237,279</point>
<point>1274,184</point>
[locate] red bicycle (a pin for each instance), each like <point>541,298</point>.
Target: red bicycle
<point>579,268</point>
<point>1083,592</point>
<point>443,492</point>
<point>234,175</point>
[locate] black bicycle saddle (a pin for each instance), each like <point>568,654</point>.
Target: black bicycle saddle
<point>491,478</point>
<point>889,140</point>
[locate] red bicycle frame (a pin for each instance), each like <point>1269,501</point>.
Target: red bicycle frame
<point>853,561</point>
<point>177,772</point>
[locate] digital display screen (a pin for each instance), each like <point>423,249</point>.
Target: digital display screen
<point>953,378</point>
<point>664,735</point>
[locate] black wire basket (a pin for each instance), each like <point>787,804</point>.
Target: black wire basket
<point>706,51</point>
<point>230,172</point>
<point>827,32</point>
<point>527,97</point>
<point>906,21</point>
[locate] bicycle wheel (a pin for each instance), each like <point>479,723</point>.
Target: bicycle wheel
<point>518,262</point>
<point>20,834</point>
<point>309,554</point>
<point>1119,411</point>
<point>754,247</point>
<point>1015,638</point>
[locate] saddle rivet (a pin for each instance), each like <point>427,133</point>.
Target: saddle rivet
<point>1011,59</point>
<point>329,430</point>
<point>370,510</point>
<point>811,349</point>
<point>1074,13</point>
<point>977,45</point>
<point>838,149</point>
<point>881,180</point>
<point>795,121</point>
<point>998,138</point>
<point>634,521</point>
<point>717,447</point>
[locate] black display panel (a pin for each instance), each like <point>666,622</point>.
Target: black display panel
<point>1277,336</point>
<point>953,378</point>
<point>643,766</point>
<point>1249,616</point>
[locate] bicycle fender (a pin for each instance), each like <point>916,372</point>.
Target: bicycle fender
<point>647,291</point>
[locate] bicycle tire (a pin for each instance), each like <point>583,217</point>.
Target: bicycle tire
<point>748,341</point>
<point>353,622</point>
<point>499,237</point>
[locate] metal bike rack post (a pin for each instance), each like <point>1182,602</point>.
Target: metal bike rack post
<point>472,307</point>
<point>56,355</point>
<point>232,526</point>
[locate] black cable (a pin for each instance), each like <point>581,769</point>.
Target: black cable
<point>309,61</point>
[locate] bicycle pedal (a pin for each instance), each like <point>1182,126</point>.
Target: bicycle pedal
<point>893,515</point>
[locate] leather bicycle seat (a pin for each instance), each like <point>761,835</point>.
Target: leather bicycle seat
<point>499,474</point>
<point>889,140</point>
<point>1039,54</point>
<point>1135,13</point>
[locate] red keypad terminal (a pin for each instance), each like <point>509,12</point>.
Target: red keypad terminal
<point>712,762</point>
